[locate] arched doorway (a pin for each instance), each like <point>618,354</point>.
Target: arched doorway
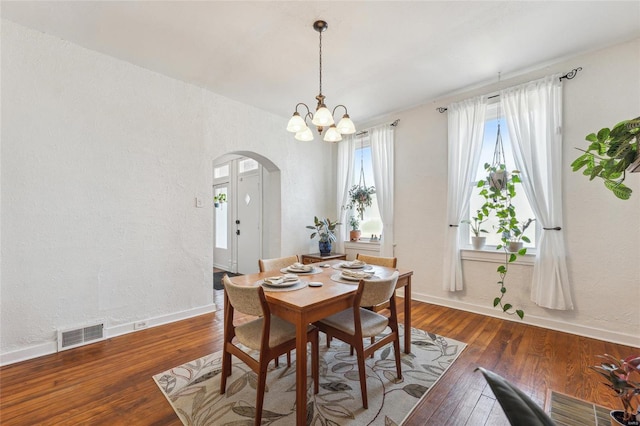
<point>248,225</point>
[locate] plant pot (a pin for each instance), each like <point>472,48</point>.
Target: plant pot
<point>354,235</point>
<point>478,242</point>
<point>514,246</point>
<point>325,248</point>
<point>498,180</point>
<point>216,205</point>
<point>617,416</point>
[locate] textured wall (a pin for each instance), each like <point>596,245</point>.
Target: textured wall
<point>101,164</point>
<point>602,232</point>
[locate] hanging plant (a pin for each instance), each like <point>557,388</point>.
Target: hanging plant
<point>498,201</point>
<point>360,198</point>
<point>360,194</point>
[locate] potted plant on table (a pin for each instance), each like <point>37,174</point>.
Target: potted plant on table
<point>324,229</point>
<point>611,154</point>
<point>623,376</point>
<point>474,223</point>
<point>354,234</point>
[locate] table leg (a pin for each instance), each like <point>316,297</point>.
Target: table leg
<point>407,316</point>
<point>301,371</point>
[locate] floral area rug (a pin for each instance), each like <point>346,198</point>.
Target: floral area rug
<point>193,389</point>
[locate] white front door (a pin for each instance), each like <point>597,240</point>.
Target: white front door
<point>248,221</point>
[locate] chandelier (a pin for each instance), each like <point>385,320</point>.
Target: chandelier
<point>323,117</point>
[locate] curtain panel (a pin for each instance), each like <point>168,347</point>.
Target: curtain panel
<point>466,131</point>
<point>534,116</point>
<point>382,159</point>
<point>344,176</point>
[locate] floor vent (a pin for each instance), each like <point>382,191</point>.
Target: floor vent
<point>68,339</point>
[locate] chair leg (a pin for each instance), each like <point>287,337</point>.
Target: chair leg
<point>315,361</point>
<point>226,370</point>
<point>289,359</point>
<point>363,377</point>
<point>276,362</point>
<point>398,354</point>
<point>262,384</point>
<point>373,340</point>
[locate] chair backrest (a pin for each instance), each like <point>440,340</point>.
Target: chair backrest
<point>277,263</point>
<point>245,299</point>
<point>389,262</point>
<point>375,292</point>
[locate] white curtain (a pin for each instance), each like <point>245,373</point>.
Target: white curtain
<point>466,131</point>
<point>382,159</point>
<point>344,177</point>
<point>533,113</point>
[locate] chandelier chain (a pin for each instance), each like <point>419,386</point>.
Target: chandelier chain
<point>320,62</point>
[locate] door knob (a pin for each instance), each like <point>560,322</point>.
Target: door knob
<point>237,232</point>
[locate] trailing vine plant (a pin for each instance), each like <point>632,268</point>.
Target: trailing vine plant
<point>498,190</point>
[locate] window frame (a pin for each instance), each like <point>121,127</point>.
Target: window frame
<point>466,247</point>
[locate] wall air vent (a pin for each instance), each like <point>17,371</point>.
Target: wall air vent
<point>73,338</point>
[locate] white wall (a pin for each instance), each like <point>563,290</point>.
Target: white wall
<point>602,232</point>
<point>101,163</point>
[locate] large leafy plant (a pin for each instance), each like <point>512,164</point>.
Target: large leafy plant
<point>610,154</point>
<point>323,229</point>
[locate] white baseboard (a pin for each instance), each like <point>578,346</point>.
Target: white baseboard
<point>580,330</point>
<point>49,348</point>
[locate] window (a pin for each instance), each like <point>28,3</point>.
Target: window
<point>523,208</point>
<point>371,224</point>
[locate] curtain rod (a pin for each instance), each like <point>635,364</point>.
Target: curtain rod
<point>568,76</point>
<point>392,124</point>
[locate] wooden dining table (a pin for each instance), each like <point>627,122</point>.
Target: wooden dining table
<point>309,304</point>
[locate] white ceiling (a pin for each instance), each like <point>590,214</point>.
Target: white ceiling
<point>378,57</point>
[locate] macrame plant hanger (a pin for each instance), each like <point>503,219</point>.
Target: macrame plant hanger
<point>498,175</point>
<point>361,182</point>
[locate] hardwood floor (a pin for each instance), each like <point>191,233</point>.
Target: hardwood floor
<point>109,383</point>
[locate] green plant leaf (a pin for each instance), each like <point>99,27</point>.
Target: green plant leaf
<point>507,306</point>
<point>503,290</point>
<point>502,269</point>
<point>591,137</point>
<point>619,189</point>
<point>496,302</point>
<point>522,251</point>
<point>526,239</point>
<point>603,134</point>
<point>512,257</point>
<point>520,313</point>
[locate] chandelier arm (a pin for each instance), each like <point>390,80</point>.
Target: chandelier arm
<point>336,107</point>
<point>305,105</point>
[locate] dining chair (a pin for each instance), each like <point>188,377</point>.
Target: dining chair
<point>356,323</point>
<point>389,262</point>
<point>268,334</point>
<point>277,263</point>
<point>273,264</point>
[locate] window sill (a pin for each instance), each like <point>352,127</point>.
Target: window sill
<point>495,256</point>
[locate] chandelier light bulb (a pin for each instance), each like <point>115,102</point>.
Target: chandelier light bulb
<point>322,117</point>
<point>346,126</point>
<point>332,135</point>
<point>304,135</point>
<point>296,123</point>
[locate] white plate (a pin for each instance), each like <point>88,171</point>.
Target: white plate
<point>347,265</point>
<point>282,284</point>
<point>346,277</point>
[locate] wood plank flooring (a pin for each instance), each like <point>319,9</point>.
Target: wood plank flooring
<point>109,382</point>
